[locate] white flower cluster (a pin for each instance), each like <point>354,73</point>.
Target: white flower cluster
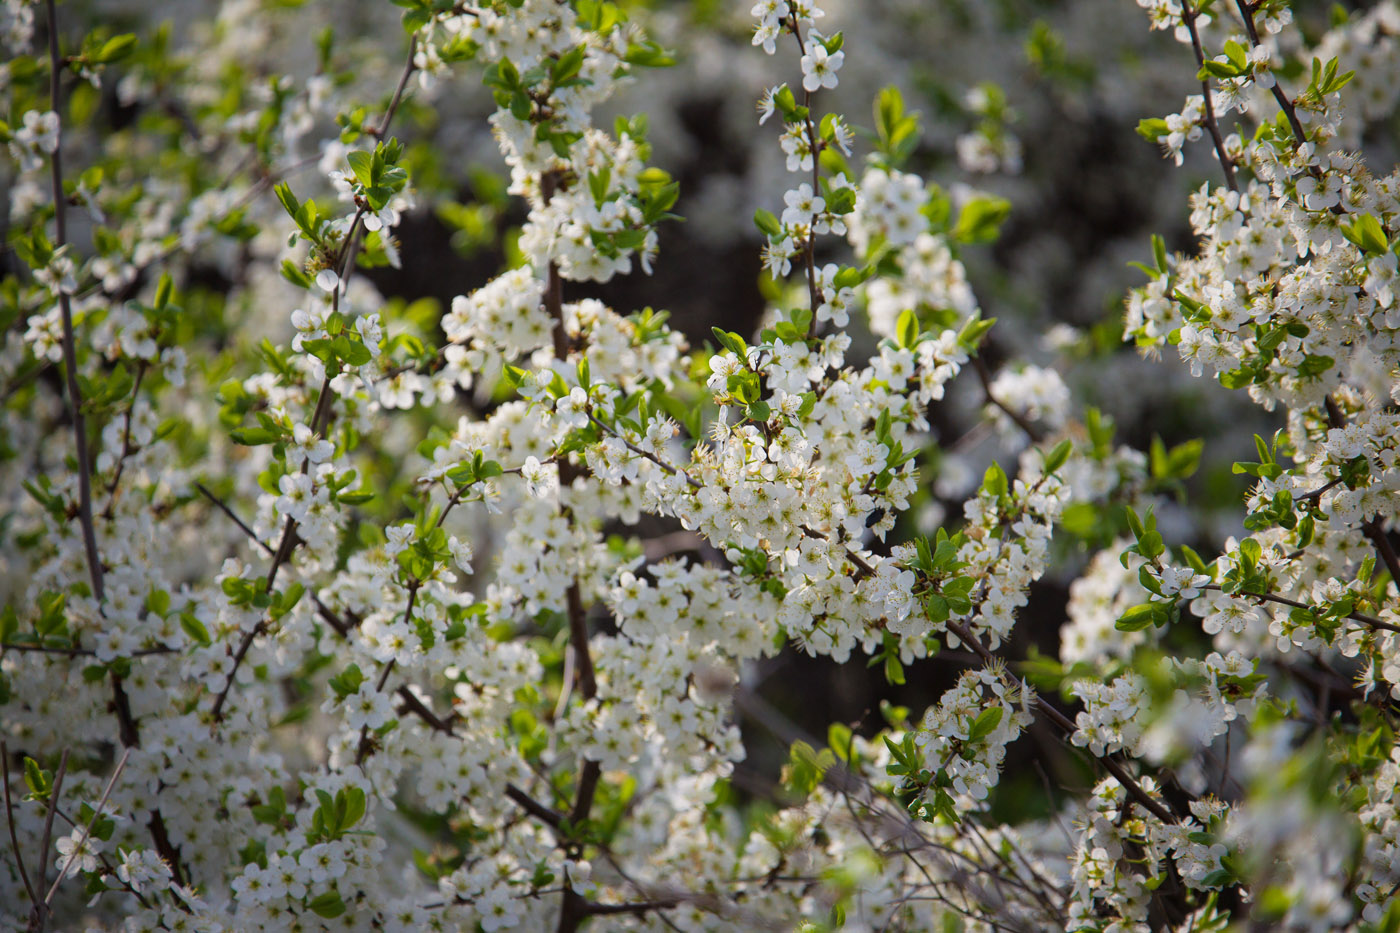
<point>440,679</point>
<point>956,740</point>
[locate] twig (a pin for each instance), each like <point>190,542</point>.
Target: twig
<point>1373,530</point>
<point>533,807</point>
<point>70,351</point>
<point>1188,16</point>
<point>417,707</point>
<point>1317,493</point>
<point>81,652</point>
<point>362,750</point>
<point>233,516</point>
<point>341,626</point>
<point>1299,135</point>
<point>1128,782</point>
<point>1285,601</point>
<point>1020,420</point>
<point>10,822</point>
<point>321,417</point>
<point>87,830</point>
<point>572,911</point>
<point>40,915</point>
<point>126,450</point>
<point>809,246</point>
<point>592,909</point>
<point>1372,527</point>
<point>121,704</point>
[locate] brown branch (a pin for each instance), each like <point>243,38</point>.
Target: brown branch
<point>809,246</point>
<point>87,830</point>
<point>533,807</point>
<point>1285,601</point>
<point>341,626</point>
<point>1375,532</point>
<point>1128,782</point>
<point>363,750</point>
<point>233,516</point>
<point>39,916</point>
<point>10,822</point>
<point>1188,16</point>
<point>418,708</point>
<point>1286,105</point>
<point>1372,527</point>
<point>571,913</point>
<point>1317,493</point>
<point>1021,421</point>
<point>75,651</point>
<point>592,909</point>
<point>70,351</point>
<point>321,418</point>
<point>127,449</point>
<point>120,702</point>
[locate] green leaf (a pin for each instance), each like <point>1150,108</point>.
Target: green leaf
<point>362,164</point>
<point>37,779</point>
<point>767,223</point>
<point>985,724</point>
<point>894,671</point>
<point>1159,252</point>
<point>116,48</point>
<point>1137,618</point>
<point>195,629</point>
<point>1059,456</point>
<point>981,220</point>
<point>254,437</point>
<point>328,904</point>
<point>1153,128</point>
<point>907,328</point>
<point>994,481</point>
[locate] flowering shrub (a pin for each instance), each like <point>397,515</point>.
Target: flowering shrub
<point>330,612</point>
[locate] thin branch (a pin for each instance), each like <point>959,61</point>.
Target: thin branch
<point>1021,421</point>
<point>75,651</point>
<point>87,830</point>
<point>592,909</point>
<point>10,822</point>
<point>1372,527</point>
<point>233,516</point>
<point>40,915</point>
<point>1285,601</point>
<point>1317,493</point>
<point>363,749</point>
<point>571,912</point>
<point>809,246</point>
<point>418,708</point>
<point>121,704</point>
<point>1299,135</point>
<point>70,351</point>
<point>341,626</point>
<point>1128,782</point>
<point>1374,531</point>
<point>321,417</point>
<point>533,807</point>
<point>127,449</point>
<point>1227,164</point>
